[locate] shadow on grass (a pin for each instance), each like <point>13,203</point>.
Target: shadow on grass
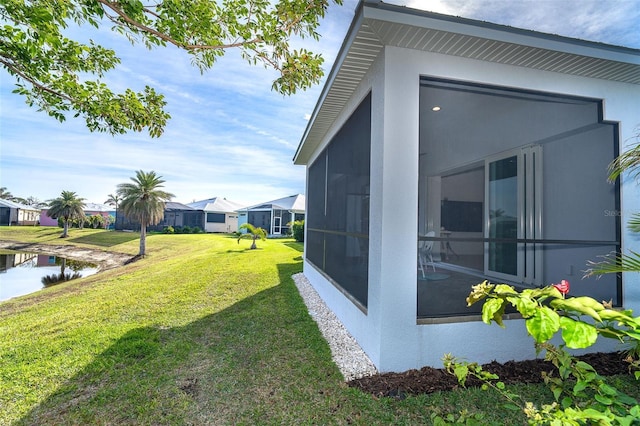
<point>106,239</point>
<point>244,250</point>
<point>262,354</point>
<point>296,246</point>
<point>46,232</point>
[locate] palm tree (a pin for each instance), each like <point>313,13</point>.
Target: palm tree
<point>253,233</point>
<point>34,201</point>
<point>68,207</point>
<point>114,200</point>
<point>144,202</point>
<point>6,195</point>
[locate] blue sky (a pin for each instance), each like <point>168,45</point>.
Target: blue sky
<point>230,135</point>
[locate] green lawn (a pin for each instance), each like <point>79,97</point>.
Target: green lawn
<point>201,331</point>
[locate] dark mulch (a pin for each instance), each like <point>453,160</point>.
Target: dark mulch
<point>428,380</point>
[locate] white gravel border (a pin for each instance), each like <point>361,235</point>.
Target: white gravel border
<point>345,350</point>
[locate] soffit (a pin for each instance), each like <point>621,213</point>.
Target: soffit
<point>563,55</point>
<point>484,49</point>
<point>357,60</point>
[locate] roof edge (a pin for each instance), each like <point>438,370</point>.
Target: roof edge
<point>485,29</point>
<point>342,53</point>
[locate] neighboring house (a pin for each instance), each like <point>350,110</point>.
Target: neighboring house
<point>274,216</point>
<point>46,220</point>
<point>12,213</point>
<point>90,209</point>
<point>220,214</point>
<point>175,215</point>
<point>489,141</point>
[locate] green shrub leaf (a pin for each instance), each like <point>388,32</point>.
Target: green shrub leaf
<point>493,310</point>
<point>543,324</point>
<point>577,334</point>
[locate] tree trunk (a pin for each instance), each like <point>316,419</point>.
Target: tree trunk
<point>65,229</point>
<point>143,239</point>
<point>253,243</point>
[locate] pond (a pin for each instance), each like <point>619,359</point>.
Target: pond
<point>23,273</point>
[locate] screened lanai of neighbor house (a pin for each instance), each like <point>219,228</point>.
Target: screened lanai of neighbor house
<point>444,152</point>
<point>274,216</point>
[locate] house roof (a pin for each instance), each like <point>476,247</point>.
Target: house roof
<point>377,24</point>
<point>173,206</point>
<point>14,205</point>
<point>216,204</point>
<point>292,203</point>
<point>95,207</point>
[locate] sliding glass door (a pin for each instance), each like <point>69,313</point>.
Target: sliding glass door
<point>513,215</point>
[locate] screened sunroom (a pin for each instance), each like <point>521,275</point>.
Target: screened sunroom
<point>444,152</point>
<point>512,189</point>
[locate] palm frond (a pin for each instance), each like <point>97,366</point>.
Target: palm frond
<point>634,223</point>
<point>627,161</point>
<point>614,263</point>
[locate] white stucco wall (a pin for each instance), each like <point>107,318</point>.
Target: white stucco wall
<point>388,331</point>
<point>230,224</point>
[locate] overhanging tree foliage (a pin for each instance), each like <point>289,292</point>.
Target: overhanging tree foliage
<point>49,68</point>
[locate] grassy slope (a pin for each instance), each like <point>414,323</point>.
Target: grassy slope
<point>201,331</point>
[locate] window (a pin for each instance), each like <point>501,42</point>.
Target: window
<point>514,186</point>
<point>260,219</point>
<point>338,206</point>
<point>215,218</point>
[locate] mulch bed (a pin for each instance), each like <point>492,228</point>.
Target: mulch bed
<point>428,380</point>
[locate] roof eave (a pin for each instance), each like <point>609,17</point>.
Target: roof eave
<point>342,53</point>
<point>377,14</point>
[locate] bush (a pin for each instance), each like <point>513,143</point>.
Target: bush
<point>581,394</point>
<point>297,228</point>
<point>182,230</point>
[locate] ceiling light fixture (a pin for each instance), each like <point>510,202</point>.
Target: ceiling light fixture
<point>435,108</point>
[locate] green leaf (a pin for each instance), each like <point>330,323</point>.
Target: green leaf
<point>607,390</point>
<point>566,401</point>
<point>579,387</point>
<point>525,305</point>
<point>461,371</point>
<point>493,309</point>
<point>603,399</point>
<point>577,334</point>
<point>544,323</point>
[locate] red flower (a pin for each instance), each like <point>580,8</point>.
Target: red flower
<point>563,287</point>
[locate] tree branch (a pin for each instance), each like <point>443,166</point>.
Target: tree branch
<point>165,37</point>
<point>35,83</point>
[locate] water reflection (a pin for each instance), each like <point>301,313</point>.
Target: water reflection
<point>23,273</point>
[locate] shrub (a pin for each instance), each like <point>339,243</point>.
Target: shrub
<point>169,230</point>
<point>581,395</point>
<point>297,228</point>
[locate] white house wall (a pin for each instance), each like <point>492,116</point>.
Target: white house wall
<point>390,321</point>
<point>364,327</point>
<point>230,225</point>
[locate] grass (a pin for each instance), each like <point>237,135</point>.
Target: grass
<point>201,331</point>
